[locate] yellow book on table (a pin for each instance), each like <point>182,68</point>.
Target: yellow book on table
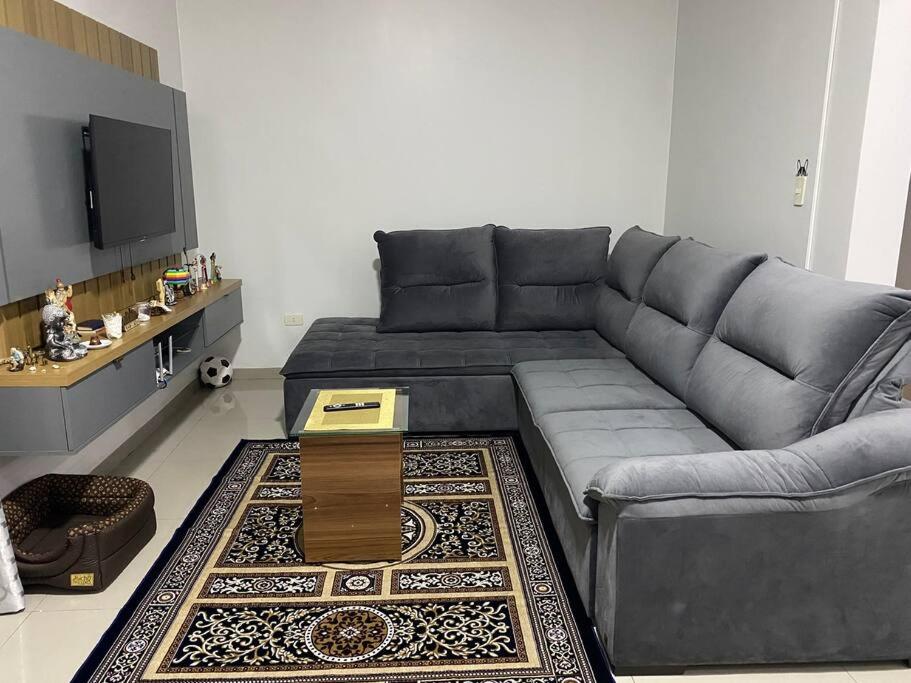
<point>370,419</point>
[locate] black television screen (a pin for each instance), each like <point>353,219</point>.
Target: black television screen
<point>131,181</point>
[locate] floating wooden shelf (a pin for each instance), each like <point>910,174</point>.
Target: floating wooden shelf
<point>72,372</point>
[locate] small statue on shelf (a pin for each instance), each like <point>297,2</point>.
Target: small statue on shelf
<point>164,297</point>
<point>60,344</point>
<point>193,267</point>
<point>203,273</point>
<point>16,360</point>
<point>62,295</point>
<point>216,269</point>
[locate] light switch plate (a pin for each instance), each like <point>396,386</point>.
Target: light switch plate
<point>293,319</point>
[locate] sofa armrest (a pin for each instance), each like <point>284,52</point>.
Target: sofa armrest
<point>872,452</point>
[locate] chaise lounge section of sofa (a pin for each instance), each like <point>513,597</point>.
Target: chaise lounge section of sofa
<point>719,437</point>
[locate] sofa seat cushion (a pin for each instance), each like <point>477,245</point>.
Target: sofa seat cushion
<point>583,441</point>
<point>340,347</point>
<point>588,384</point>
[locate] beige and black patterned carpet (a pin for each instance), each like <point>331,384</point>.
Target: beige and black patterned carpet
<point>476,597</point>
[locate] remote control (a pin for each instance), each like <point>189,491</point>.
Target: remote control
<point>335,407</point>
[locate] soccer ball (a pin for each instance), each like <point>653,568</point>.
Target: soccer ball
<point>216,371</point>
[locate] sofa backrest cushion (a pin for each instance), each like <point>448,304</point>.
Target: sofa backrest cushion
<point>548,279</point>
<point>634,255</point>
<point>792,352</point>
<point>681,302</point>
<point>434,280</point>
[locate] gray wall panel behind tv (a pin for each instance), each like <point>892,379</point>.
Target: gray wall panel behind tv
<point>186,169</point>
<point>46,96</point>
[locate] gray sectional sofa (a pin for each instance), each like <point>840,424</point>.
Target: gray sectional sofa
<point>719,437</point>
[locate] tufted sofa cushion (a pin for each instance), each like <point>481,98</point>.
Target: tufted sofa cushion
<point>582,442</point>
<point>437,280</point>
<point>339,347</point>
<point>792,352</point>
<point>548,279</point>
<point>559,386</point>
<point>635,254</point>
<point>681,302</point>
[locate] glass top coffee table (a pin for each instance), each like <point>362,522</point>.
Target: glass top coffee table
<point>351,475</point>
<point>371,421</point>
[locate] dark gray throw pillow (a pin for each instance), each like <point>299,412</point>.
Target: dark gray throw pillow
<point>437,280</point>
<point>548,279</point>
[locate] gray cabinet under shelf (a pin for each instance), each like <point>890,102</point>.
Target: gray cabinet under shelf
<point>105,396</point>
<point>221,316</point>
<point>31,419</point>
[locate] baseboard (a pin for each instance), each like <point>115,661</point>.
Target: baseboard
<point>257,373</point>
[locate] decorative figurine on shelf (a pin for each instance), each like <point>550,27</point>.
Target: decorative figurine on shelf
<point>216,269</point>
<point>59,343</point>
<point>193,267</point>
<point>160,303</point>
<point>62,295</point>
<point>203,273</point>
<point>180,282</point>
<point>16,360</point>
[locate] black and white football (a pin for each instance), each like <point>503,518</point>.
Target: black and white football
<point>216,371</point>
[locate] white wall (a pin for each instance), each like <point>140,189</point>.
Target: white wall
<point>153,22</point>
<point>852,61</point>
<point>885,157</point>
<point>315,123</point>
<point>748,97</point>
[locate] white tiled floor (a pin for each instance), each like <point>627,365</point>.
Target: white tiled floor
<point>48,642</point>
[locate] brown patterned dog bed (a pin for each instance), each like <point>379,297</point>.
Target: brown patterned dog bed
<point>78,532</point>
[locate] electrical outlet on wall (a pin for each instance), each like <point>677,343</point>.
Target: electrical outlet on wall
<point>293,319</point>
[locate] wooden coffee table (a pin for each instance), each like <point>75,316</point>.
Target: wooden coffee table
<point>351,476</point>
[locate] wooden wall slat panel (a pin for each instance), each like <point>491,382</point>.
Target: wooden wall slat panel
<point>104,44</point>
<point>63,17</point>
<point>126,53</point>
<point>136,56</point>
<point>30,14</point>
<point>67,28</point>
<point>30,315</point>
<point>117,50</point>
<point>91,38</point>
<point>15,15</point>
<point>80,43</point>
<point>146,60</point>
<point>47,22</point>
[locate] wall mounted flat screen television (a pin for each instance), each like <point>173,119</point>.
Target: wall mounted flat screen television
<point>130,181</point>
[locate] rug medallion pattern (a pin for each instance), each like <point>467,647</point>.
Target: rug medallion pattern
<point>475,598</point>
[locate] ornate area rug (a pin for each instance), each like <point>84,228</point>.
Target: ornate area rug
<point>477,596</point>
